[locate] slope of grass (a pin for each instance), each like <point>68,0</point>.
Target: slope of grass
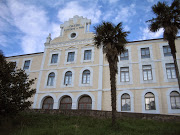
<point>47,124</point>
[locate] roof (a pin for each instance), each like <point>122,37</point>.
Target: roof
<point>128,42</point>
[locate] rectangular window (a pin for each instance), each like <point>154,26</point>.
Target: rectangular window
<point>147,72</point>
<point>54,58</point>
<point>26,64</point>
<point>170,70</point>
<point>124,56</point>
<point>124,74</point>
<point>167,50</point>
<point>14,64</point>
<point>145,53</point>
<point>70,56</point>
<point>87,55</point>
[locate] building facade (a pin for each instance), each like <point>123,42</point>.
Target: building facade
<point>73,74</point>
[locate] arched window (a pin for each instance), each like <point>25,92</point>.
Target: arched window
<point>86,77</point>
<point>125,102</point>
<point>66,103</point>
<point>48,103</point>
<point>85,103</point>
<point>175,100</point>
<point>51,77</point>
<point>150,101</point>
<point>68,78</point>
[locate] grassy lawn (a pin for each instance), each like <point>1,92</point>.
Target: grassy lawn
<point>47,124</point>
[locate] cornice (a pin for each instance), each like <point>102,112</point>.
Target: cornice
<point>70,43</point>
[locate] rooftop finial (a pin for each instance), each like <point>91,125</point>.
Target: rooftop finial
<point>48,39</point>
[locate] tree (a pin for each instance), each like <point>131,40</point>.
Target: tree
<point>112,39</point>
<point>14,88</point>
<point>168,18</point>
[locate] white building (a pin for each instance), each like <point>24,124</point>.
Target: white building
<point>73,74</point>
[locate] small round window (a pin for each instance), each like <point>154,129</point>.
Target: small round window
<point>73,35</point>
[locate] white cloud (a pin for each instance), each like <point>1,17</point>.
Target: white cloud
<point>32,21</point>
<point>126,28</point>
<point>3,41</point>
<point>150,1</point>
<point>74,8</point>
<point>125,13</point>
<point>146,34</point>
<point>113,1</point>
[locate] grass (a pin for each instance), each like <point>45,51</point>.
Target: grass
<point>47,124</point>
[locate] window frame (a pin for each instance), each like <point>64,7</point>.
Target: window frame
<point>168,53</point>
<point>142,81</point>
<point>69,50</point>
<point>29,61</point>
<point>48,103</point>
<point>151,97</point>
<point>88,55</point>
<point>81,77</point>
<point>46,79</point>
<point>66,104</point>
<point>87,77</point>
<point>122,98</point>
<point>147,72</point>
<point>50,81</point>
<point>53,60</point>
<point>153,91</point>
<point>168,92</point>
<point>172,96</point>
<point>123,57</point>
<point>68,75</point>
<point>69,59</point>
<point>124,72</point>
<point>146,55</point>
<point>170,69</point>
<point>26,59</point>
<point>119,100</point>
<point>86,103</point>
<point>88,47</point>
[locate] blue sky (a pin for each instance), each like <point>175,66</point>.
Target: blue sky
<point>25,24</point>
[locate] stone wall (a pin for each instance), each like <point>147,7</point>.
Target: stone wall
<point>107,114</point>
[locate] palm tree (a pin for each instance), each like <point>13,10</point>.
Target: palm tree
<point>168,18</point>
<point>112,39</point>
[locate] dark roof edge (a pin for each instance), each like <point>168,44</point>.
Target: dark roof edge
<point>24,54</point>
<point>149,40</point>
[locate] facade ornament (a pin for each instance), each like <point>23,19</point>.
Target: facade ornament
<point>48,39</point>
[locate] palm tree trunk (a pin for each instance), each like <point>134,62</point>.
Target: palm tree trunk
<point>173,52</point>
<point>176,68</point>
<point>113,90</point>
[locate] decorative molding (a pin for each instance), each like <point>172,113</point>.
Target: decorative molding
<point>130,74</point>
<point>27,70</point>
<point>75,55</point>
<point>55,79</point>
<point>58,59</point>
<point>63,76</point>
<point>85,93</point>
<point>156,101</point>
<point>91,77</point>
<point>119,100</point>
<point>153,72</point>
<point>41,100</point>
<point>99,102</point>
<point>145,59</point>
<point>59,98</point>
<point>168,92</point>
<point>92,53</point>
<point>70,43</point>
